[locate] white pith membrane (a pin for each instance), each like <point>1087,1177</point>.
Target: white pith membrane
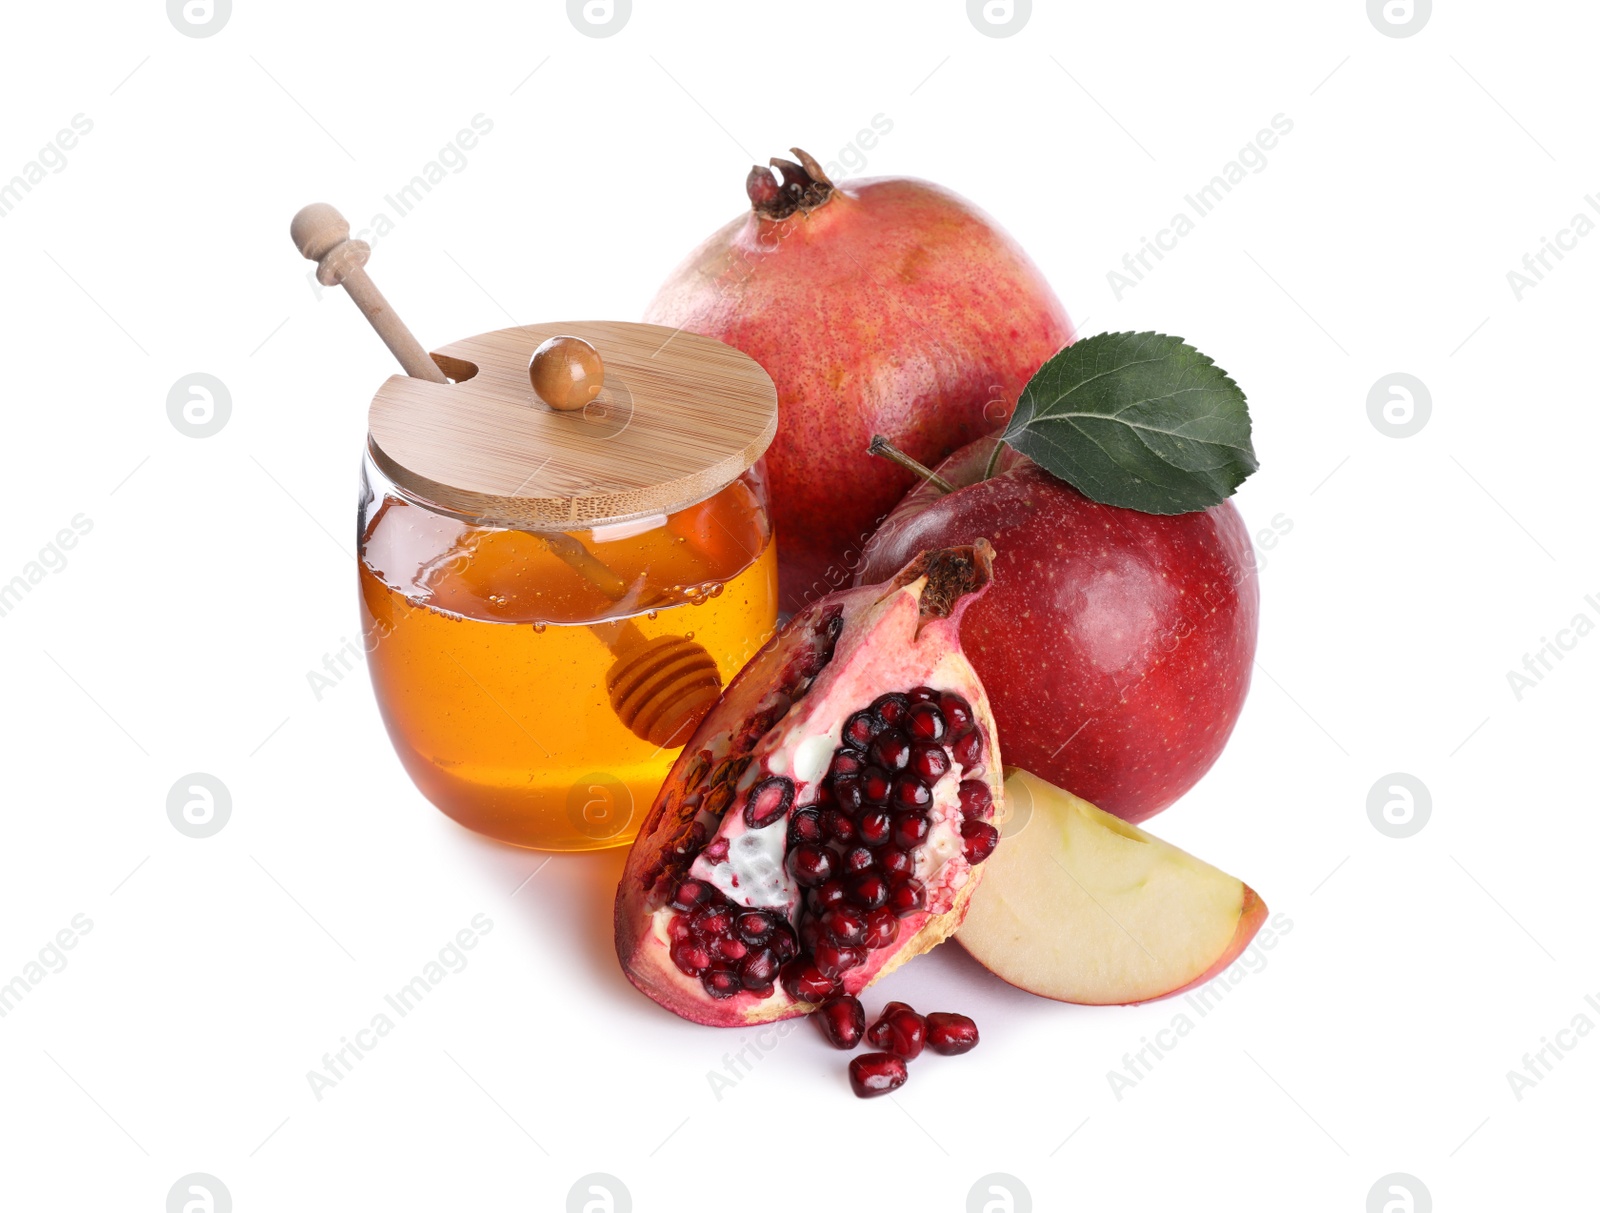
<point>884,649</point>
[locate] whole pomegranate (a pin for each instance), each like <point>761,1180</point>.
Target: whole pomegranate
<point>879,306</point>
<point>827,821</point>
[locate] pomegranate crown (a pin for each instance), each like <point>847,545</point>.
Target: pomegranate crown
<point>804,186</point>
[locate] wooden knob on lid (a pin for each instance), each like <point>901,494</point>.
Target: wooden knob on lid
<point>566,373</point>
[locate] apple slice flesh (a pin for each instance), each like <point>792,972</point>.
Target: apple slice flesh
<point>1082,907</point>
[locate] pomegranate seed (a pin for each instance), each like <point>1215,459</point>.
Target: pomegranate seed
<point>758,969</point>
<point>844,927</point>
<point>956,710</point>
<point>978,840</point>
<point>838,826</point>
<point>690,893</point>
<point>899,1030</point>
<point>890,750</point>
<point>835,962</point>
<point>883,928</point>
<point>849,794</point>
<point>968,749</point>
<point>923,695</point>
<point>721,983</point>
<point>908,897</point>
<point>805,826</point>
<point>692,957</point>
<point>783,942</point>
<point>732,949</point>
<point>876,1074</point>
<point>845,762</point>
<point>769,801</point>
<point>678,928</point>
<point>925,722</point>
<point>875,785</point>
<point>874,827</point>
<point>804,982</point>
<point>858,859</point>
<point>810,865</point>
<point>896,864</point>
<point>842,1021</point>
<point>929,760</point>
<point>910,792</point>
<point>951,1034</point>
<point>717,851</point>
<point>869,890</point>
<point>712,921</point>
<point>754,927</point>
<point>910,830</point>
<point>891,708</point>
<point>828,894</point>
<point>860,729</point>
<point>976,799</point>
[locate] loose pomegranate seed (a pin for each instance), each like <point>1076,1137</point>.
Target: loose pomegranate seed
<point>845,762</point>
<point>891,708</point>
<point>976,799</point>
<point>807,983</point>
<point>924,695</point>
<point>868,889</point>
<point>929,761</point>
<point>690,893</point>
<point>875,785</point>
<point>910,792</point>
<point>860,729</point>
<point>874,827</point>
<point>829,893</point>
<point>951,1034</point>
<point>883,928</point>
<point>721,983</point>
<point>759,969</point>
<point>731,949</point>
<point>876,1074</point>
<point>978,840</point>
<point>842,1021</point>
<point>925,722</point>
<point>899,1030</point>
<point>712,921</point>
<point>845,928</point>
<point>890,750</point>
<point>769,801</point>
<point>908,897</point>
<point>956,710</point>
<point>968,749</point>
<point>858,859</point>
<point>896,864</point>
<point>910,830</point>
<point>692,957</point>
<point>810,865</point>
<point>804,826</point>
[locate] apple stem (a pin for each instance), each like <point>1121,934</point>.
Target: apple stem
<point>994,458</point>
<point>883,447</point>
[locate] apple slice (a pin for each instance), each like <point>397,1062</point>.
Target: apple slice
<point>1082,907</point>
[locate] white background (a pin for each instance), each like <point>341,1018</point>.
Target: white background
<point>1378,1034</point>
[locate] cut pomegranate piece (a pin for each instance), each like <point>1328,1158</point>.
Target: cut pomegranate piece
<point>951,1034</point>
<point>876,1074</point>
<point>810,837</point>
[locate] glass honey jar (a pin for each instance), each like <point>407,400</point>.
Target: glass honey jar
<point>558,575</point>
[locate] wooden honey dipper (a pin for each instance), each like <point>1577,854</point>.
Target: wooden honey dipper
<point>659,688</point>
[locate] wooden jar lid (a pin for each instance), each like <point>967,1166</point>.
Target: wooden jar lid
<point>679,418</point>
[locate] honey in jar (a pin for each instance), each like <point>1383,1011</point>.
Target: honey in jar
<point>546,624</point>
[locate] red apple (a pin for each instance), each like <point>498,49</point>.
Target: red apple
<point>1115,645</point>
<point>878,306</point>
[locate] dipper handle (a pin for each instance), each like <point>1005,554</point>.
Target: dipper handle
<point>322,235</point>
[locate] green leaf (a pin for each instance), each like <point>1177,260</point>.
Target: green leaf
<point>1139,420</point>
